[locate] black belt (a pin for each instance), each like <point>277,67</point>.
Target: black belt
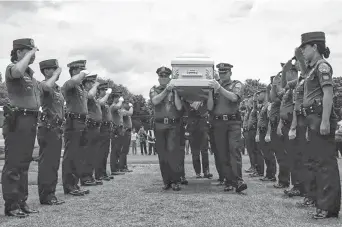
<point>82,117</point>
<point>92,123</point>
<point>167,120</point>
<point>55,122</point>
<point>107,123</point>
<point>308,110</point>
<point>26,112</point>
<point>262,129</point>
<point>286,122</point>
<point>228,117</point>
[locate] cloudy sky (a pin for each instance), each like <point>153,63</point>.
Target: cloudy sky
<point>127,40</point>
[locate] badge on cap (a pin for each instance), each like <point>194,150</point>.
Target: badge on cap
<point>162,69</point>
<point>222,65</point>
<point>32,42</point>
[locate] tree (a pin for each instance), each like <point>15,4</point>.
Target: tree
<point>252,86</point>
<point>3,94</point>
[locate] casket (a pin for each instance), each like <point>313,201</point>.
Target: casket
<point>191,74</point>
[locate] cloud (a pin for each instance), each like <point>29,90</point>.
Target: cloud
<point>128,40</point>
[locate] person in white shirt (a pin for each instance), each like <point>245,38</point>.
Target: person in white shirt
<point>134,141</point>
<point>151,142</point>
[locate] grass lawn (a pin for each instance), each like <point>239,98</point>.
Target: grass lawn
<point>136,199</point>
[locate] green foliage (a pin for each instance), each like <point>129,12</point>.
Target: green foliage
<point>3,94</point>
<point>252,86</point>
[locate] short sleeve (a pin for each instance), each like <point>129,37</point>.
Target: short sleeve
<point>9,74</point>
<point>153,92</point>
<point>324,73</point>
<point>238,89</point>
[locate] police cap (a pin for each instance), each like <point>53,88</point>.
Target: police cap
<point>224,67</point>
<point>25,43</point>
<point>312,36</point>
<point>164,69</point>
<point>78,64</point>
<point>50,63</point>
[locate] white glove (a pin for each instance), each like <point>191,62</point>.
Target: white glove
<point>109,90</point>
<point>121,99</point>
<point>85,72</point>
<point>130,105</point>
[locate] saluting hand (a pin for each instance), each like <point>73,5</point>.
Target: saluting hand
<point>268,138</point>
<point>325,128</point>
<point>169,86</point>
<point>121,99</point>
<point>33,51</point>
<point>292,133</point>
<point>58,71</point>
<point>109,90</point>
<point>130,104</point>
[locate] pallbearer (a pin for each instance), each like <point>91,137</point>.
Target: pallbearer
<point>224,105</point>
<point>167,110</point>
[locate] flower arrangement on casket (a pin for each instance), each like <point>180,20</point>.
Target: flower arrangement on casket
<point>191,74</point>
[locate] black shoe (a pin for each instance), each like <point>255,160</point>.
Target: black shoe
<point>250,170</point>
<point>127,170</point>
<point>323,214</point>
<point>26,209</point>
<point>207,175</point>
<point>166,187</point>
<point>306,203</point>
<point>117,173</point>
<point>268,179</point>
<point>52,201</point>
<point>241,186</point>
<point>255,174</point>
<point>18,213</point>
<point>184,181</point>
<point>280,185</point>
<point>228,188</point>
<point>74,192</point>
<point>106,178</point>
<point>89,183</point>
<point>98,182</point>
<point>176,187</point>
<point>292,192</point>
<point>198,176</point>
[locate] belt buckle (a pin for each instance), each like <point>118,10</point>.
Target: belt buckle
<point>166,121</point>
<point>225,117</point>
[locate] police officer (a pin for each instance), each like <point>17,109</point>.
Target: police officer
<point>197,126</point>
<point>254,150</point>
<point>76,114</point>
<point>249,108</point>
<point>227,126</point>
<point>50,133</point>
<point>91,137</point>
<point>167,109</point>
<point>126,112</point>
<point>20,124</point>
<point>317,106</point>
<point>105,131</point>
<point>117,136</point>
<point>276,142</point>
<point>289,76</point>
<point>262,128</point>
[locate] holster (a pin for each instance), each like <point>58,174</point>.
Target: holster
<point>11,116</point>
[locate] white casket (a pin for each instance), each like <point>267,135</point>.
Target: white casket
<point>191,74</point>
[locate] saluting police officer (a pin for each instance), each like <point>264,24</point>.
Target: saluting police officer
<point>50,133</point>
<point>167,110</point>
<point>289,76</point>
<point>76,98</point>
<point>253,139</point>
<point>227,126</point>
<point>126,112</point>
<point>105,131</point>
<point>276,142</point>
<point>317,106</point>
<point>263,146</point>
<point>92,134</point>
<point>20,124</point>
<point>117,136</point>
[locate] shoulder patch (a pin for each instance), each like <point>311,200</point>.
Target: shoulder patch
<point>324,68</point>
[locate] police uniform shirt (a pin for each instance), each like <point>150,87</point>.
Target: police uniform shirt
<point>299,93</point>
<point>319,75</point>
<point>106,113</point>
<point>94,109</point>
<point>116,115</point>
<point>287,105</point>
<point>76,97</point>
<point>52,101</point>
<point>252,119</point>
<point>263,118</point>
<point>23,90</point>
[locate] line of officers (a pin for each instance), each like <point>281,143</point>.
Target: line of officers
<point>95,121</point>
<point>293,122</point>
